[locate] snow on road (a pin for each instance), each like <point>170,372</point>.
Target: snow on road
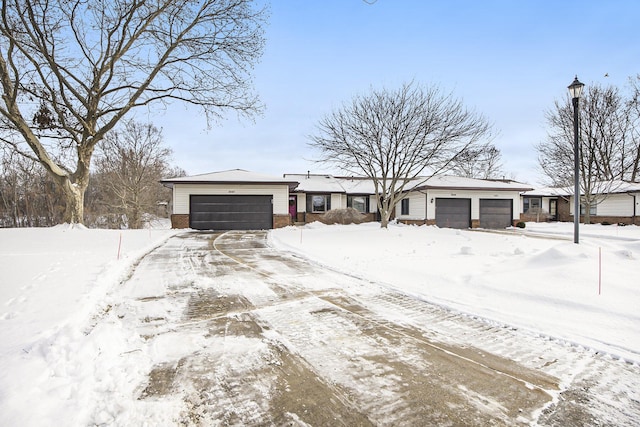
<point>227,331</point>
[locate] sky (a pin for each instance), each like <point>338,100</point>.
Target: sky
<point>507,60</point>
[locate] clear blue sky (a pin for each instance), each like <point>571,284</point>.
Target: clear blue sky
<point>509,60</point>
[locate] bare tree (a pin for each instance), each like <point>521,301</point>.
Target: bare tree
<point>605,146</point>
<point>70,70</point>
<point>28,195</point>
<point>394,136</point>
<point>479,161</point>
<point>131,162</point>
<point>632,137</point>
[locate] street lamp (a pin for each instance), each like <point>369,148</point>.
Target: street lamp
<point>575,89</point>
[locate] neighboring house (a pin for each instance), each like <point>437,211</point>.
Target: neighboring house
<point>230,200</point>
<point>619,204</point>
<point>456,202</point>
<point>239,199</point>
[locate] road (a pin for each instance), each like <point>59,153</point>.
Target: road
<point>282,341</point>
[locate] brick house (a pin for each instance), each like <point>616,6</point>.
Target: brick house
<point>239,199</point>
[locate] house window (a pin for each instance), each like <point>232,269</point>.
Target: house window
<point>318,203</point>
<point>592,209</point>
<point>359,203</point>
<point>404,207</point>
<point>532,204</point>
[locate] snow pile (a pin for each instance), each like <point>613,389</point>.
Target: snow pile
<point>587,294</point>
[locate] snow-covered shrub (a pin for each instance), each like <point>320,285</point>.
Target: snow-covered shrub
<point>343,216</point>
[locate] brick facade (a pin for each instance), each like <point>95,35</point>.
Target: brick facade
<point>597,219</point>
<point>182,221</point>
<point>179,221</point>
<point>280,221</point>
<point>414,221</point>
<point>474,223</point>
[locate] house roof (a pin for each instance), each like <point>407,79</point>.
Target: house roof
<point>325,183</point>
<point>309,183</point>
<point>332,184</point>
<point>359,185</point>
<point>233,176</point>
<point>462,183</point>
<point>604,187</point>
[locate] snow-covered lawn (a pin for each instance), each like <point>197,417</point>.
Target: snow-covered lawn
<point>55,282</point>
<point>587,294</point>
<point>52,282</point>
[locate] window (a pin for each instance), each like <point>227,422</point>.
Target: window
<point>359,203</point>
<point>592,209</point>
<point>318,203</point>
<point>404,207</point>
<point>532,204</point>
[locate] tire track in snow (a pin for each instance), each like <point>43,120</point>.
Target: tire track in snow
<point>296,321</point>
<point>551,357</point>
<point>282,341</point>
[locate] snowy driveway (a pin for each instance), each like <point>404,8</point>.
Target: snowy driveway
<point>233,332</point>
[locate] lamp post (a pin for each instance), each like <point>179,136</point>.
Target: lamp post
<point>575,89</point>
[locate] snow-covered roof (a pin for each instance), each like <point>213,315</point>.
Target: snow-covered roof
<point>462,183</point>
<point>233,176</point>
<point>549,191</point>
<point>604,187</point>
<point>359,185</point>
<point>325,183</point>
<point>310,183</point>
<point>332,184</point>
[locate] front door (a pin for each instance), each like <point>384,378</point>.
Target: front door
<point>553,209</point>
<point>293,208</point>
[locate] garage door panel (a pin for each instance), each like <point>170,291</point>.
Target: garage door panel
<point>453,213</point>
<point>496,213</point>
<point>231,212</point>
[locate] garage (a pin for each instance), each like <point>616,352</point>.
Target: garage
<point>496,213</point>
<point>231,212</point>
<point>453,213</point>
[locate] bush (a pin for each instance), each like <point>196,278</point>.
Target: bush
<point>342,216</point>
<point>521,224</point>
<point>605,223</point>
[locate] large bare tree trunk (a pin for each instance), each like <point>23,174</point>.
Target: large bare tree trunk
<point>74,201</point>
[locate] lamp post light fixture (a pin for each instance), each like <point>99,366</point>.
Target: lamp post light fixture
<point>575,90</point>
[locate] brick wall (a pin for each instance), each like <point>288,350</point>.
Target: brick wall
<point>413,221</point>
<point>597,219</point>
<point>311,217</point>
<point>564,209</point>
<point>280,221</point>
<point>179,221</point>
